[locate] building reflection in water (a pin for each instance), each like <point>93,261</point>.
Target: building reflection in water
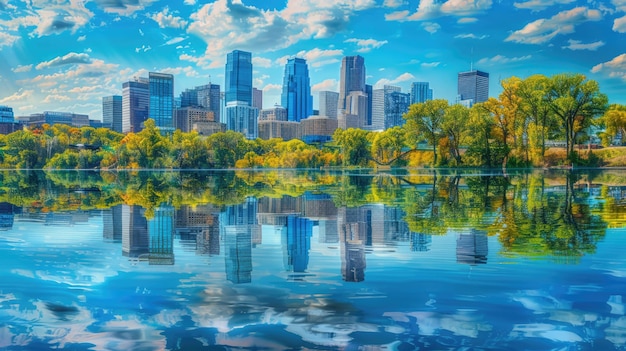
<point>134,228</point>
<point>7,215</point>
<point>239,226</point>
<point>472,247</point>
<point>161,234</point>
<point>198,228</point>
<point>353,225</point>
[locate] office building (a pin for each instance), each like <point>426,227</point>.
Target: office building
<point>161,108</point>
<point>352,78</point>
<point>242,118</point>
<point>420,92</point>
<point>357,105</point>
<point>6,114</point>
<point>186,117</point>
<point>473,87</point>
<point>238,77</point>
<point>296,95</point>
<point>112,112</point>
<point>389,104</point>
<point>273,124</point>
<point>135,104</point>
<point>257,98</point>
<point>206,96</point>
<point>328,104</point>
<point>318,129</point>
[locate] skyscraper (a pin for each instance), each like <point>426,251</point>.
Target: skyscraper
<point>388,106</point>
<point>420,92</point>
<point>162,100</point>
<point>135,104</point>
<point>206,96</point>
<point>242,118</point>
<point>352,78</point>
<point>257,98</point>
<point>296,96</point>
<point>6,114</point>
<point>238,77</point>
<point>328,103</point>
<point>473,87</point>
<point>112,112</point>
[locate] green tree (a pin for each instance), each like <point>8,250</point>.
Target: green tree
<point>423,122</point>
<point>575,101</point>
<point>535,108</point>
<point>226,148</point>
<point>387,146</point>
<point>614,121</point>
<point>354,146</point>
<point>455,127</point>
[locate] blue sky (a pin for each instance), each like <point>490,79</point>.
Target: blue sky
<point>65,55</point>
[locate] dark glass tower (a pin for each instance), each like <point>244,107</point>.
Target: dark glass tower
<point>238,77</point>
<point>135,104</point>
<point>296,96</point>
<point>352,77</point>
<point>162,100</point>
<point>112,112</point>
<point>473,86</point>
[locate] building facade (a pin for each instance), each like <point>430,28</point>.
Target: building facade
<point>112,112</point>
<point>238,78</point>
<point>6,114</point>
<point>242,118</point>
<point>420,92</point>
<point>473,87</point>
<point>206,96</point>
<point>351,78</point>
<point>296,95</point>
<point>318,129</point>
<point>257,98</point>
<point>161,110</point>
<point>135,104</point>
<point>328,103</point>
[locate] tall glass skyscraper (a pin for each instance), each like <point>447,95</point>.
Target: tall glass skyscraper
<point>328,103</point>
<point>112,112</point>
<point>296,96</point>
<point>420,92</point>
<point>352,77</point>
<point>135,104</point>
<point>162,100</point>
<point>206,96</point>
<point>238,77</point>
<point>473,87</point>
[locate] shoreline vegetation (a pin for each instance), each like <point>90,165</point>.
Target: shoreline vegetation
<point>515,130</point>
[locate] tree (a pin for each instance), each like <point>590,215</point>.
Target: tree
<point>354,146</point>
<point>424,123</point>
<point>614,120</point>
<point>387,146</point>
<point>479,137</point>
<point>575,101</point>
<point>536,109</point>
<point>454,127</point>
<point>226,148</point>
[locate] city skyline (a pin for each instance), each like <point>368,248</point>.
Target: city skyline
<point>92,48</point>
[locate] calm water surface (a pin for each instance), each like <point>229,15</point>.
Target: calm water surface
<point>288,261</point>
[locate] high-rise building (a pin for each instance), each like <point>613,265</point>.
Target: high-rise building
<point>369,90</point>
<point>242,118</point>
<point>357,105</point>
<point>420,92</point>
<point>396,105</point>
<point>257,98</point>
<point>328,103</point>
<point>112,112</point>
<point>135,104</point>
<point>238,77</point>
<point>161,108</point>
<point>206,96</point>
<point>6,114</point>
<point>352,78</point>
<point>473,87</point>
<point>296,96</point>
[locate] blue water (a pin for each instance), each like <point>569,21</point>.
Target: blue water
<point>244,277</point>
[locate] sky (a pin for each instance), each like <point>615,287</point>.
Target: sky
<point>60,55</point>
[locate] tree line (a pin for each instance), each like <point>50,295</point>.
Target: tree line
<point>512,129</point>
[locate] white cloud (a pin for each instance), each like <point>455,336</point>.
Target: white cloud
<point>272,88</point>
<point>7,39</point>
<point>55,98</point>
<point>471,36</point>
<point>430,9</point>
<point>261,62</point>
<point>226,25</point>
<point>315,57</point>
<point>175,40</point>
<point>190,2</point>
<point>20,95</point>
<point>187,71</point>
<point>123,7</point>
<point>366,45</point>
<point>430,64</point>
<point>326,85</point>
<point>143,48</point>
<point>500,59</point>
<point>431,27</point>
<point>393,3</point>
<point>404,77</point>
<point>538,5</point>
<point>81,38</point>
<point>616,68</point>
<point>466,20</point>
<point>69,59</point>
<point>141,32</point>
<point>22,69</point>
<point>543,30</point>
<point>167,19</point>
<point>619,25</point>
<point>578,45</point>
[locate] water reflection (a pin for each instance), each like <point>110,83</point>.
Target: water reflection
<point>154,261</point>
